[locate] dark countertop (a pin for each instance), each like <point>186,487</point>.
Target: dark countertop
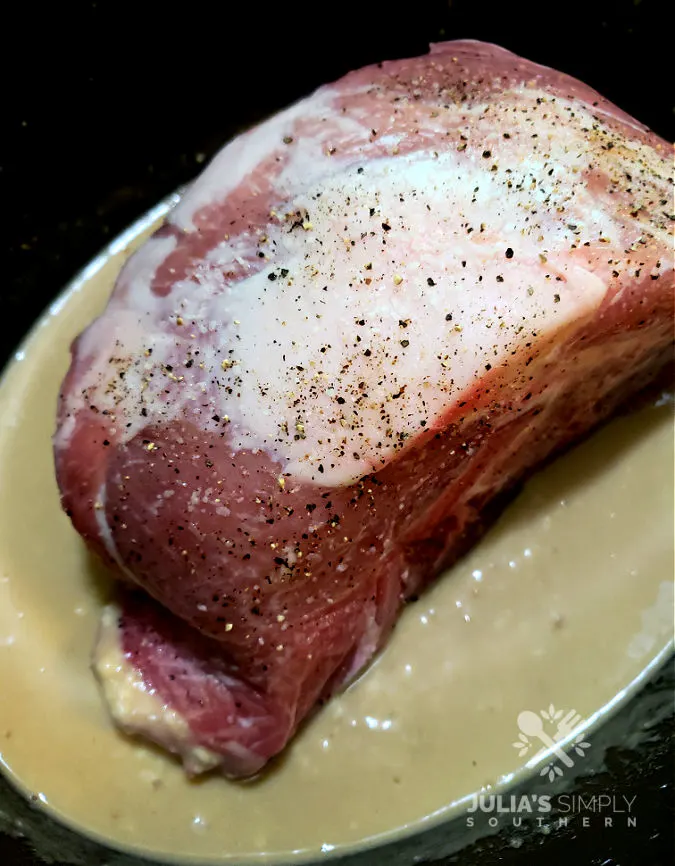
<point>108,107</point>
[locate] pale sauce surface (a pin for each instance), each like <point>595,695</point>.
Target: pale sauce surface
<point>565,602</point>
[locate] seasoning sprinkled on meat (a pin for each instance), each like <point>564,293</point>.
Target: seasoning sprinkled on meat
<point>368,317</point>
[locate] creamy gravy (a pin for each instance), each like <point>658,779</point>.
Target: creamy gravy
<point>566,602</point>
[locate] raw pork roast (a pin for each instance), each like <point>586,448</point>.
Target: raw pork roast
<point>366,320</point>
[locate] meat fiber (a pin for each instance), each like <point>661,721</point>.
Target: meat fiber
<point>367,319</point>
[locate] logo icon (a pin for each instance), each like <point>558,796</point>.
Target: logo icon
<point>550,727</point>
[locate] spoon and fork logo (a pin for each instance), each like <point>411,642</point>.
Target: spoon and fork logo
<point>550,727</point>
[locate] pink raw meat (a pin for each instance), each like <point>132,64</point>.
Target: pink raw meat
<point>369,316</point>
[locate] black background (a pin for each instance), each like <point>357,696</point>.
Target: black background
<point>109,106</point>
